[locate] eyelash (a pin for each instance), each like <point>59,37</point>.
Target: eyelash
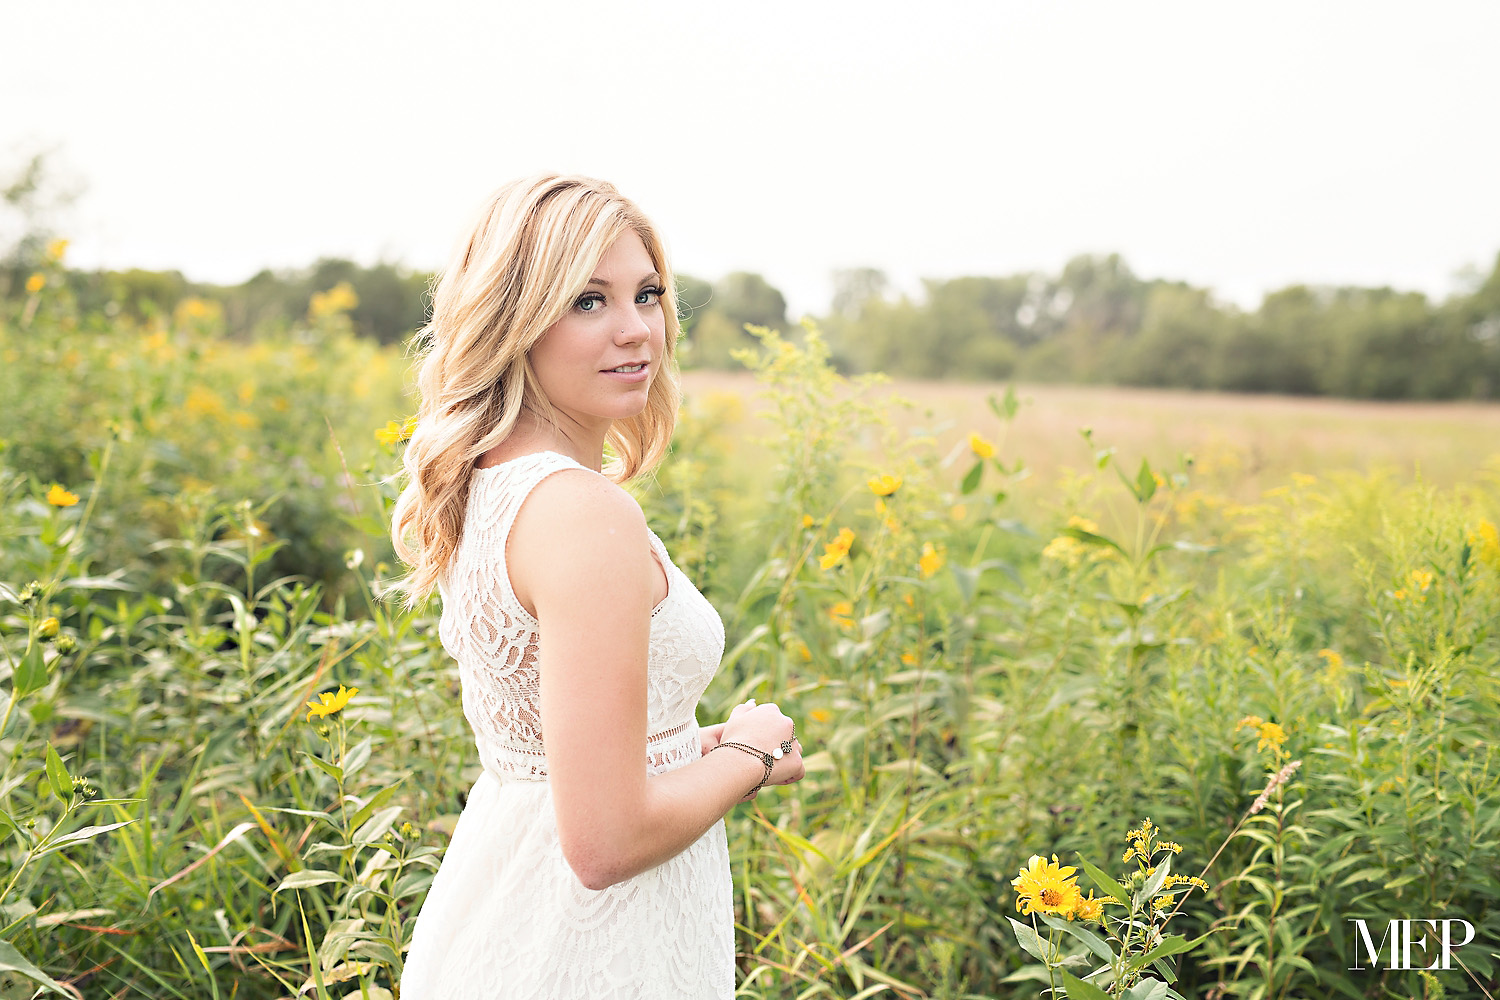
<point>655,291</point>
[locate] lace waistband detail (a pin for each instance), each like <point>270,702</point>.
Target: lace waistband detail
<point>664,752</point>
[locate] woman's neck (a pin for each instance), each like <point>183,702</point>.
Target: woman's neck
<point>532,434</point>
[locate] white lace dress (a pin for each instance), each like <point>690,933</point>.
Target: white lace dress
<point>506,918</point>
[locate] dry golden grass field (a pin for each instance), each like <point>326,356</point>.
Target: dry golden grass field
<point>1243,444</point>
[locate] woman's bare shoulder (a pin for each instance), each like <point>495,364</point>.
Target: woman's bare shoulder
<point>576,500</point>
<point>576,529</point>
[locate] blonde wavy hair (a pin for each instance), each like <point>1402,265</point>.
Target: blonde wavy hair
<point>528,256</point>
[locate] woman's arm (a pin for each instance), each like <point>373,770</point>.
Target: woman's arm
<point>580,559</point>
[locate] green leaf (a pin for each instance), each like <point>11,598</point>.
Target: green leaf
<point>1090,940</point>
<point>377,826</point>
<point>79,836</point>
<point>1147,989</point>
<point>1154,883</point>
<point>971,478</point>
<point>200,954</point>
<point>1078,989</point>
<point>367,810</point>
<point>307,878</point>
<point>1007,409</point>
<point>1145,483</point>
<point>1090,538</point>
<point>1172,944</point>
<point>357,757</point>
<point>332,770</point>
<point>58,777</point>
<point>13,961</point>
<point>1027,938</point>
<point>31,672</point>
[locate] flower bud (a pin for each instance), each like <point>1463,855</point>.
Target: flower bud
<point>47,627</point>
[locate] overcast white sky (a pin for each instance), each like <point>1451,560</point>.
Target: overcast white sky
<point>1240,146</point>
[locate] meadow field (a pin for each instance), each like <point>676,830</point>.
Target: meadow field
<point>1245,443</point>
<point>1231,658</point>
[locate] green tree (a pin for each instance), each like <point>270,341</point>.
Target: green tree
<point>1181,332</point>
<point>718,326</point>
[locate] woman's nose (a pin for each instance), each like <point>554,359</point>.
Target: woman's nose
<point>633,328</point>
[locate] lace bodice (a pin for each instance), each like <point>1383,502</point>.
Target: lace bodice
<point>497,643</point>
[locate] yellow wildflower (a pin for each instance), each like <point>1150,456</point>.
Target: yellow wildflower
<point>842,613</point>
<point>884,486</point>
<point>1090,908</point>
<point>203,402</point>
<point>1272,736</point>
<point>339,299</point>
<point>1399,594</point>
<point>820,715</point>
<point>980,447</point>
<point>1485,540</point>
<point>394,433</point>
<point>1333,659</point>
<point>56,249</point>
<point>909,658</point>
<point>931,560</point>
<point>1249,722</point>
<point>807,520</point>
<point>36,283</point>
<point>47,627</point>
<point>1065,550</point>
<point>1046,887</point>
<point>1420,579</point>
<point>193,308</point>
<point>330,702</point>
<point>835,551</point>
<point>59,497</point>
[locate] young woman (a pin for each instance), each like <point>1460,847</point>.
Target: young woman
<point>590,860</point>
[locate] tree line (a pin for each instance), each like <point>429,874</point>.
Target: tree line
<point>1094,322</point>
<point>1097,322</point>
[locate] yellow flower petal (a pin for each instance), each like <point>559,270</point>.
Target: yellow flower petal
<point>330,702</point>
<point>59,497</point>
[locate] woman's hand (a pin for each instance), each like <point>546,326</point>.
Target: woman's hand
<point>710,737</point>
<point>765,728</point>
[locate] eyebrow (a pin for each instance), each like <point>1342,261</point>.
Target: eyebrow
<point>653,276</point>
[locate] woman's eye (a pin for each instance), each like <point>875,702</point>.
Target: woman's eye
<point>589,303</point>
<point>648,296</point>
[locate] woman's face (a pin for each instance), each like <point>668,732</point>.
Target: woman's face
<point>596,364</point>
